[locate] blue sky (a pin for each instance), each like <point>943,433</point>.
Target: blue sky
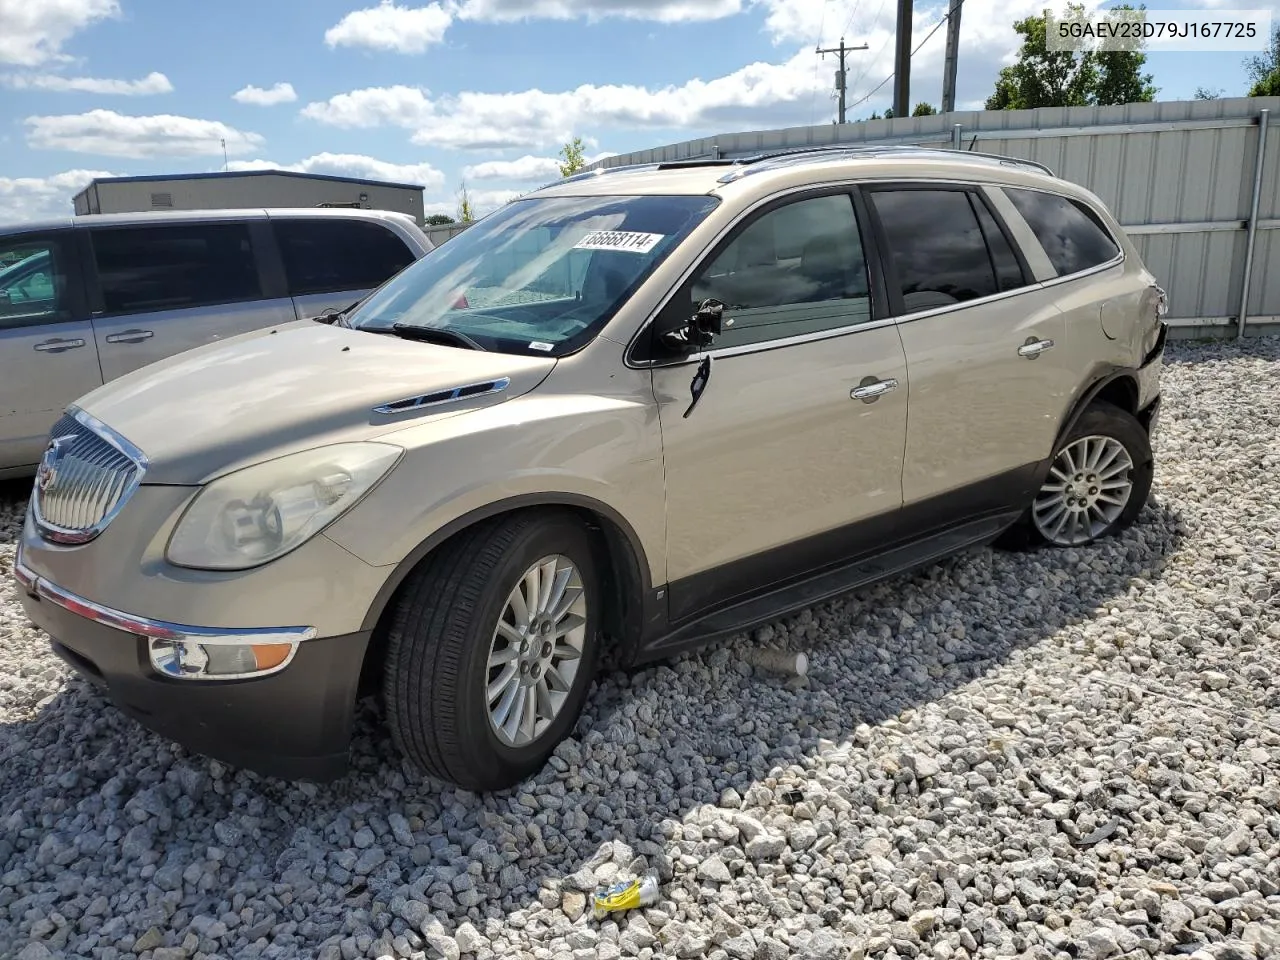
<point>436,93</point>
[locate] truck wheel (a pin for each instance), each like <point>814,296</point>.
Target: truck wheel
<point>1098,484</point>
<point>492,649</point>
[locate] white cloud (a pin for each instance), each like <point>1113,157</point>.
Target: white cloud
<point>758,93</point>
<point>397,106</point>
<point>527,169</point>
<point>795,91</point>
<point>113,134</point>
<point>258,97</point>
<point>391,27</point>
<point>987,42</point>
<point>32,198</point>
<point>32,32</point>
<point>152,83</point>
<point>409,29</point>
<point>353,165</point>
<point>661,11</point>
<point>486,201</point>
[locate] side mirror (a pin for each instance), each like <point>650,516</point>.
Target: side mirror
<point>702,329</point>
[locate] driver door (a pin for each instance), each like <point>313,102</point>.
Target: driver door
<point>779,469</point>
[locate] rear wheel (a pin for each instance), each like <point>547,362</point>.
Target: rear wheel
<point>492,650</point>
<point>1098,483</point>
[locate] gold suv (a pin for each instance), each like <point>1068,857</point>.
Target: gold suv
<point>630,412</point>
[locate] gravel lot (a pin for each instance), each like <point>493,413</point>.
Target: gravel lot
<point>1069,754</point>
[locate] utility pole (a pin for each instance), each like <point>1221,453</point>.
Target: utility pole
<point>952,59</point>
<point>841,75</point>
<point>902,62</point>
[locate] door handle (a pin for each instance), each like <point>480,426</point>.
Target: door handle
<point>1033,348</point>
<point>130,336</point>
<point>58,345</point>
<point>871,389</point>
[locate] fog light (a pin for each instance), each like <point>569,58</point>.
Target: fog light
<point>192,660</point>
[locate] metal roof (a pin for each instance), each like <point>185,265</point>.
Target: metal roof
<point>232,174</point>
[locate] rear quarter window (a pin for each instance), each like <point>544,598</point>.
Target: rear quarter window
<point>325,255</point>
<point>1070,233</point>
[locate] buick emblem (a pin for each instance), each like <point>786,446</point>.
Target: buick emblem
<point>47,473</point>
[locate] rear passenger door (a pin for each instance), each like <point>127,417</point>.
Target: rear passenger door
<point>332,262</point>
<point>47,354</point>
<point>160,289</point>
<point>987,387</point>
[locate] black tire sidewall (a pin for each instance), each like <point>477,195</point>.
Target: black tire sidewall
<point>494,761</point>
<point>1107,420</point>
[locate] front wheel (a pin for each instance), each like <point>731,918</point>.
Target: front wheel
<point>493,648</point>
<point>1098,482</point>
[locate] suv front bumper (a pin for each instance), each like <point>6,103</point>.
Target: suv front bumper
<point>293,724</point>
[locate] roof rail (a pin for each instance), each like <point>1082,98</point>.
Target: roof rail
<point>781,158</point>
<point>605,171</point>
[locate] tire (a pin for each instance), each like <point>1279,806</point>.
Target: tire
<point>1117,442</point>
<point>445,627</point>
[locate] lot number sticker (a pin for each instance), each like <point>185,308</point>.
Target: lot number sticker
<point>619,240</point>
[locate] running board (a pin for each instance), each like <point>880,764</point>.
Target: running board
<point>833,583</point>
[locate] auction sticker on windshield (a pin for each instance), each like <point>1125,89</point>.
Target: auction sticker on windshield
<point>619,240</point>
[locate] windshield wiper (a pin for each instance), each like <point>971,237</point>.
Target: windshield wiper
<point>429,334</point>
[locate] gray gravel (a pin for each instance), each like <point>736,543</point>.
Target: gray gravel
<point>1067,754</point>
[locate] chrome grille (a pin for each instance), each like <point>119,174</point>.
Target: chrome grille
<point>86,476</point>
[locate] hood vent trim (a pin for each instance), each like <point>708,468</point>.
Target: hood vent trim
<point>440,397</point>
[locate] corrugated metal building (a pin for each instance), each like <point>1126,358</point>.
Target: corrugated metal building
<point>1192,182</point>
<point>246,189</point>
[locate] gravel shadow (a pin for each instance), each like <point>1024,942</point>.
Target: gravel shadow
<point>653,751</point>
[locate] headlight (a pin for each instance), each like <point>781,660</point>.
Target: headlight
<point>255,515</point>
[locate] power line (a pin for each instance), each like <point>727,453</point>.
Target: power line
<point>867,65</point>
<point>813,100</point>
<point>849,23</point>
<point>936,27</point>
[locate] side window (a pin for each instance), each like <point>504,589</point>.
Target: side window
<point>173,267</point>
<point>33,283</point>
<point>1069,232</point>
<point>795,270</point>
<point>936,247</point>
<point>330,255</point>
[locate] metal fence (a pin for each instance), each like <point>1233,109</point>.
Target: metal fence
<point>1193,183</point>
<point>438,235</point>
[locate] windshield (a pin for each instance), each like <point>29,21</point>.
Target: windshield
<point>539,276</point>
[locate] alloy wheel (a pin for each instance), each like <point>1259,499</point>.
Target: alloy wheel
<point>1086,491</point>
<point>536,650</point>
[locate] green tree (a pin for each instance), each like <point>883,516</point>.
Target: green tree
<point>440,220</point>
<point>1264,70</point>
<point>1069,78</point>
<point>924,110</point>
<point>572,158</point>
<point>1204,93</point>
<point>466,213</point>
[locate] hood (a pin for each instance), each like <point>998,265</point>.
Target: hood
<point>265,394</point>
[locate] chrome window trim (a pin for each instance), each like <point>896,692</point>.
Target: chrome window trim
<point>849,183</point>
<point>63,535</point>
<point>497,385</point>
<point>766,345</point>
<point>150,629</point>
<point>1102,222</point>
